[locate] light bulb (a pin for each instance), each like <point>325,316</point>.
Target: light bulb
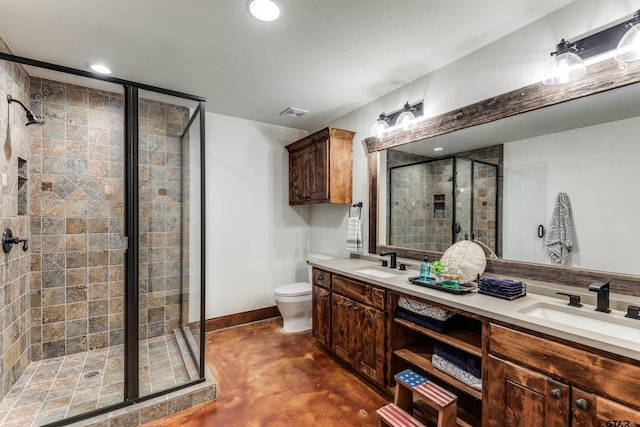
<point>564,68</point>
<point>380,126</point>
<point>405,118</point>
<point>628,49</point>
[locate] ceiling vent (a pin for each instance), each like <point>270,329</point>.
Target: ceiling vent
<point>293,112</point>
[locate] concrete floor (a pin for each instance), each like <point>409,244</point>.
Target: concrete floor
<point>267,378</point>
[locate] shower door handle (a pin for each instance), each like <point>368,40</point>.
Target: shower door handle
<point>541,231</point>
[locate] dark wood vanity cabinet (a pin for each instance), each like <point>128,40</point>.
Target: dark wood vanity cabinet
<point>358,326</point>
<point>519,397</point>
<point>349,320</point>
<point>321,319</point>
<point>321,312</point>
<point>532,381</point>
<point>358,333</point>
<point>320,168</point>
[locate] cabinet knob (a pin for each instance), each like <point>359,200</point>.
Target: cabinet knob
<point>349,305</point>
<point>582,404</point>
<point>357,308</point>
<point>320,276</point>
<point>556,394</point>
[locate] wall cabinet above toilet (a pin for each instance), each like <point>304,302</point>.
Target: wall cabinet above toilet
<point>320,168</point>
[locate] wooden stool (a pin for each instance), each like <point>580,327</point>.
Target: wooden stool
<point>392,416</point>
<point>411,387</point>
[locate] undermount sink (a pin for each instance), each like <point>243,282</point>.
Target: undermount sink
<point>588,320</point>
<point>381,274</point>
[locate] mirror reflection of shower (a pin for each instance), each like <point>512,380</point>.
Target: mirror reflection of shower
<point>436,202</point>
<point>32,118</point>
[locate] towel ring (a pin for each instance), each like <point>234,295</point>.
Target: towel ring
<point>357,205</point>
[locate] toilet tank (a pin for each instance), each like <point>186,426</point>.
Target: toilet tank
<point>317,257</point>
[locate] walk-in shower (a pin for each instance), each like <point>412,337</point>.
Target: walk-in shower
<point>106,307</point>
<point>434,203</point>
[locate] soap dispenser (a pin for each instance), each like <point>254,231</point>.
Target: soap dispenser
<point>425,270</point>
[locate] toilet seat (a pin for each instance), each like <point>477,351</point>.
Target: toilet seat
<point>293,290</point>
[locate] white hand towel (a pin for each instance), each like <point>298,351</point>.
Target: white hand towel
<point>354,235</point>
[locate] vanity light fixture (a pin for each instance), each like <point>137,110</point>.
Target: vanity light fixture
<point>380,126</point>
<point>398,119</point>
<point>621,40</point>
<point>628,49</point>
<point>264,10</point>
<point>566,66</point>
<point>99,68</point>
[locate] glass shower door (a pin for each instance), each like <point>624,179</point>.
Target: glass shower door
<point>168,216</point>
<point>463,225</point>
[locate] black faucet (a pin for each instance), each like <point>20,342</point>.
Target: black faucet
<point>394,257</point>
<point>602,288</point>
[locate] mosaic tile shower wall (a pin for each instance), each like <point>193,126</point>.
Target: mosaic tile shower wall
<point>77,220</point>
<point>409,220</point>
<point>14,267</point>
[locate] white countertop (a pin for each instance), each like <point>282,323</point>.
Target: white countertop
<point>505,310</point>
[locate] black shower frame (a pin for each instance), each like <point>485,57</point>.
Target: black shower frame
<point>454,197</point>
<point>131,374</point>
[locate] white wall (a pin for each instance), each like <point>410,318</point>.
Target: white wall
<point>255,242</point>
<point>597,166</point>
<point>514,61</point>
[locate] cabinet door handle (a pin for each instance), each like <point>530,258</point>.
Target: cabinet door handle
<point>582,404</point>
<point>556,393</point>
<point>349,305</point>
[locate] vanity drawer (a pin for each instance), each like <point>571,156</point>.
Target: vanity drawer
<point>321,278</point>
<point>359,292</point>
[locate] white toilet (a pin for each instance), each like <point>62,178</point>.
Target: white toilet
<point>294,302</point>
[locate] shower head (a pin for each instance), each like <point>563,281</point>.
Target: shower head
<point>32,119</point>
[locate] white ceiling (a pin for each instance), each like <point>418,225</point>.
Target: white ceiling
<point>326,56</point>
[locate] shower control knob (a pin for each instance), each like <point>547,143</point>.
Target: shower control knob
<point>8,241</point>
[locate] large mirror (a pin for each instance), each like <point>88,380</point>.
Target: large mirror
<point>587,148</point>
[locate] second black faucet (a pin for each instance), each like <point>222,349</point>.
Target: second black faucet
<point>394,258</point>
<point>602,288</point>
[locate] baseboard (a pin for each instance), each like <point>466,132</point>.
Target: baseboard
<point>240,318</point>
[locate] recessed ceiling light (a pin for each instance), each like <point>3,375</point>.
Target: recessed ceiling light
<point>264,10</point>
<point>100,68</point>
<point>438,149</point>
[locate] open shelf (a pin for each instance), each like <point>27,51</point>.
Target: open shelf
<point>464,339</point>
<point>419,357</point>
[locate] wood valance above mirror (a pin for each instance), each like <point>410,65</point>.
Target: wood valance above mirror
<point>601,77</point>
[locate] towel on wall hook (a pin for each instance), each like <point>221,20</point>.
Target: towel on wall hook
<point>354,229</point>
<point>559,240</point>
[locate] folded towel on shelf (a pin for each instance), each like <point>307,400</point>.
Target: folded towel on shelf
<point>559,240</point>
<point>463,360</point>
<point>427,322</point>
<point>456,372</point>
<point>354,235</point>
<point>425,309</point>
